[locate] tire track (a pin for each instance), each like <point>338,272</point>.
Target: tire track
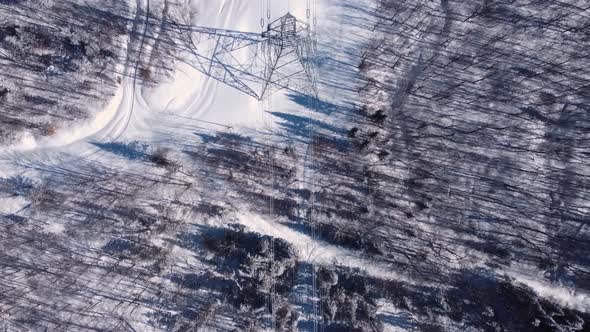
<point>137,62</point>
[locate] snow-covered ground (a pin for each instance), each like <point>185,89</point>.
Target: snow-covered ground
<point>106,221</point>
<point>168,114</point>
<point>187,100</point>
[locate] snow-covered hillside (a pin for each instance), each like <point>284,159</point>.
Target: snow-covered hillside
<point>437,181</point>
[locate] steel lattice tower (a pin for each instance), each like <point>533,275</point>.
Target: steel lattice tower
<point>280,58</point>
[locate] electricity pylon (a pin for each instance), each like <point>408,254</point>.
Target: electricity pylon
<point>289,55</point>
<point>279,58</point>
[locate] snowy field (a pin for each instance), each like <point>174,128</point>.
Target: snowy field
<point>436,182</point>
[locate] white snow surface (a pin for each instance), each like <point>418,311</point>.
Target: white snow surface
<point>171,112</point>
<point>314,251</point>
<point>562,294</point>
<point>189,99</point>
